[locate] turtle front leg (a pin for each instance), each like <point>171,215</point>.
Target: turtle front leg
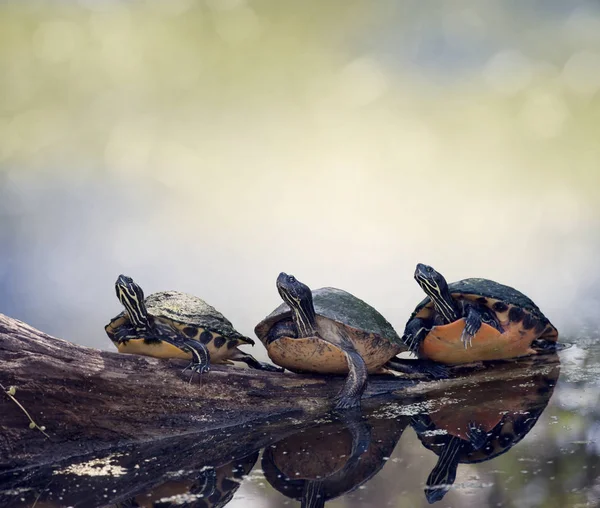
<point>200,356</point>
<point>356,381</point>
<point>282,329</point>
<point>124,335</point>
<point>477,435</point>
<point>253,363</point>
<point>414,334</point>
<point>206,483</point>
<point>472,325</point>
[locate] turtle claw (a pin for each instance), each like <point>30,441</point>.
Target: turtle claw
<point>411,342</point>
<point>270,368</point>
<point>207,482</point>
<point>472,325</point>
<point>437,371</point>
<point>477,435</point>
<point>196,368</point>
<point>466,338</point>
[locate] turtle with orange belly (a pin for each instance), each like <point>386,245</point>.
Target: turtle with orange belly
<point>474,320</point>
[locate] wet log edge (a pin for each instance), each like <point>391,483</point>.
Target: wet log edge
<point>88,400</point>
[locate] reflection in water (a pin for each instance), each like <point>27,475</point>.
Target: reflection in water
<point>487,423</point>
<point>313,461</point>
<point>213,487</point>
<point>330,459</point>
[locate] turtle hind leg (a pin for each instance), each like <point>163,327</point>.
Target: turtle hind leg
<point>356,382</point>
<point>360,430</point>
<point>408,366</point>
<point>473,322</point>
<point>253,363</point>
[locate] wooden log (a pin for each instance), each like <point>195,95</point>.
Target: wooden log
<point>88,400</point>
<point>117,426</point>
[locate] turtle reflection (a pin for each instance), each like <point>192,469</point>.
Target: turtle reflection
<point>482,422</point>
<point>330,459</point>
<point>212,487</point>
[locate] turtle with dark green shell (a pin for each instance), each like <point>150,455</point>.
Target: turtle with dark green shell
<point>318,464</point>
<point>330,331</point>
<point>474,320</point>
<point>170,324</point>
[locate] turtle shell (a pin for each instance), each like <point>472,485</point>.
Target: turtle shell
<point>186,309</point>
<point>508,304</point>
<point>372,336</point>
<point>341,307</point>
<point>314,454</point>
<point>324,453</point>
<point>182,309</point>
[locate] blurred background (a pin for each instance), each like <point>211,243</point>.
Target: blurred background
<point>205,146</point>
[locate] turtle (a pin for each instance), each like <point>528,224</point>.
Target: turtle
<point>474,320</point>
<point>334,457</point>
<point>484,422</point>
<point>331,331</point>
<point>170,324</point>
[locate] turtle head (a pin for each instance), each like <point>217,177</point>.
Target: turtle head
<point>299,297</point>
<point>436,288</point>
<point>430,280</point>
<point>131,297</point>
<point>442,476</point>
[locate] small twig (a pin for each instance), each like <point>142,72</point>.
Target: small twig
<point>41,492</point>
<point>32,425</point>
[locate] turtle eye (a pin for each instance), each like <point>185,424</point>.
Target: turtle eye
<point>429,269</point>
<point>291,278</point>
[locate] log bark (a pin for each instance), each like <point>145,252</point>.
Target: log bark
<point>119,425</point>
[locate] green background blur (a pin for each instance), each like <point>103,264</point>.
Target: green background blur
<point>205,146</point>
